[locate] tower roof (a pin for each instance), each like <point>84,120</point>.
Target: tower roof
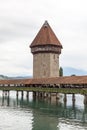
<point>45,36</point>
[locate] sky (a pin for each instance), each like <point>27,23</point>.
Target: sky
<point>20,21</point>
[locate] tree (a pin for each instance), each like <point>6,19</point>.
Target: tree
<point>61,71</point>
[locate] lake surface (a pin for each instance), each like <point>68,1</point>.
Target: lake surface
<point>30,114</point>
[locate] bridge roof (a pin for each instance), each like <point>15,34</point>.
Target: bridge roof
<point>45,36</point>
<point>61,80</point>
<point>15,81</point>
<point>55,80</point>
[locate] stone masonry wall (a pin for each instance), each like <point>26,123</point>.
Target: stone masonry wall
<point>45,65</point>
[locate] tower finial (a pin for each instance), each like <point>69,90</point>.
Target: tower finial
<point>46,23</point>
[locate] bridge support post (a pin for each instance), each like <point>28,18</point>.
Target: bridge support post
<point>40,94</point>
<point>44,94</point>
<point>57,96</point>
<point>8,101</point>
<point>49,95</point>
<point>27,94</point>
<point>3,93</point>
<point>37,94</point>
<point>65,98</point>
<point>34,95</point>
<point>73,100</point>
<point>22,94</point>
<point>3,98</point>
<point>73,97</point>
<point>85,99</point>
<point>6,93</point>
<point>17,94</point>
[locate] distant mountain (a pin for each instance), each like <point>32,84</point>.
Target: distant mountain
<point>3,77</point>
<point>68,71</point>
<point>18,77</point>
<point>21,77</point>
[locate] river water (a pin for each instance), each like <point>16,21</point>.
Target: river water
<point>38,114</point>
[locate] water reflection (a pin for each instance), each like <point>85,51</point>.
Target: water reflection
<point>48,114</point>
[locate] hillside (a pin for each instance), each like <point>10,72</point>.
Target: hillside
<point>4,77</point>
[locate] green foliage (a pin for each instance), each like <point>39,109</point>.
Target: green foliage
<point>73,75</point>
<point>61,71</point>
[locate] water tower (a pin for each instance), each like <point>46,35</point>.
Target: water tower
<point>46,49</point>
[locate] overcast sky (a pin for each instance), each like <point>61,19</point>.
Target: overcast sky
<point>20,21</point>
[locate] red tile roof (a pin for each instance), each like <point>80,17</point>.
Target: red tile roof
<point>60,80</point>
<point>56,80</point>
<point>45,36</point>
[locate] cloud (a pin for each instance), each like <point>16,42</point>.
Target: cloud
<point>15,30</point>
<point>21,20</point>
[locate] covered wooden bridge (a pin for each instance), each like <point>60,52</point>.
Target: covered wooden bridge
<point>66,84</point>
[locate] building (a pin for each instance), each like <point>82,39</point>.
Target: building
<point>46,49</point>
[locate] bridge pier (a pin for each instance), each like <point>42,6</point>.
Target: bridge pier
<point>37,94</point>
<point>57,96</point>
<point>22,95</point>
<point>40,94</point>
<point>73,97</point>
<point>45,95</point>
<point>8,101</point>
<point>65,98</point>
<point>5,93</point>
<point>27,94</point>
<point>49,95</point>
<point>17,93</point>
<point>85,99</point>
<point>34,95</point>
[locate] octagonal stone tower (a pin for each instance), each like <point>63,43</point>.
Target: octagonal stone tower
<point>46,49</point>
